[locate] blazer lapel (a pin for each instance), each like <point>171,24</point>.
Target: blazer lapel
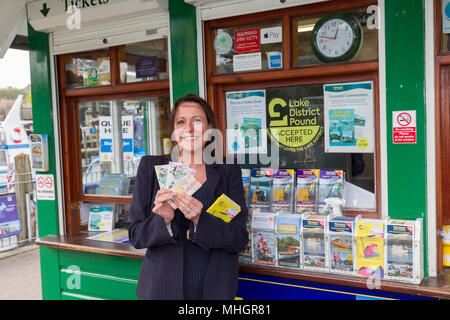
<point>213,178</point>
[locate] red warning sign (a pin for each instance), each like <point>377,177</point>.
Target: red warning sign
<point>404,126</point>
<point>247,41</point>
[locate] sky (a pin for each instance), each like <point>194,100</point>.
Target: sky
<point>15,69</point>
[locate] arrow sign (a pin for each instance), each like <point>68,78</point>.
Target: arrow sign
<point>44,9</point>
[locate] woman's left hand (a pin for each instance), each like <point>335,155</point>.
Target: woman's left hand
<point>189,206</point>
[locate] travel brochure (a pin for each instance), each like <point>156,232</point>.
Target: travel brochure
<point>302,191</point>
<point>353,246</point>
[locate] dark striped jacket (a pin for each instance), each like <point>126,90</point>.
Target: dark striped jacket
<point>161,274</point>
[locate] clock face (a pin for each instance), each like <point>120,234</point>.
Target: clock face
<point>336,38</point>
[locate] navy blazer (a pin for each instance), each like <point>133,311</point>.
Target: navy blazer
<point>161,274</point>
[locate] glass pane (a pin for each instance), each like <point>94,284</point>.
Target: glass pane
<point>115,134</point>
<point>303,53</point>
<point>248,47</point>
<point>294,118</point>
<point>87,69</point>
<point>144,61</point>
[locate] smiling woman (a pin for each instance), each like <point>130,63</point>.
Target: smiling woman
<point>15,69</point>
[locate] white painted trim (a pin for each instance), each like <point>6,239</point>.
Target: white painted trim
<point>382,109</point>
<point>229,8</point>
<point>169,57</point>
<point>200,55</point>
<point>430,138</point>
<point>117,32</point>
<point>56,132</point>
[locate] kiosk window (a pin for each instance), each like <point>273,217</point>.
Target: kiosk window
<point>318,126</point>
<point>115,134</point>
<point>144,61</point>
<point>303,27</point>
<point>248,47</point>
<point>87,69</point>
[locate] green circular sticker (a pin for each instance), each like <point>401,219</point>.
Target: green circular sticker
<point>294,124</point>
<point>223,42</point>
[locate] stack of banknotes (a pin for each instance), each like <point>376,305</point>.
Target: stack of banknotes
<point>178,177</point>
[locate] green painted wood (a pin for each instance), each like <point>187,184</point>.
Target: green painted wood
<point>101,263</point>
<point>49,273</point>
<point>41,92</point>
<point>405,90</point>
<point>183,42</point>
<point>97,285</point>
<point>100,276</point>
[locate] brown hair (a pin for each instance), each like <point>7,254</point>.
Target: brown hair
<point>210,116</point>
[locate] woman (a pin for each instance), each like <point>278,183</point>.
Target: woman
<point>191,254</point>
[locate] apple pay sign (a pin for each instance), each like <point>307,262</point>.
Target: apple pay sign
<point>271,35</point>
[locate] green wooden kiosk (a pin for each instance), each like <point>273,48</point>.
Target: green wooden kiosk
<point>106,61</point>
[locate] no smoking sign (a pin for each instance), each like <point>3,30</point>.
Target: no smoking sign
<point>404,127</point>
<point>45,187</point>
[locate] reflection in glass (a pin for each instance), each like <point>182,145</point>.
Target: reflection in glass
<point>115,135</point>
<point>87,69</point>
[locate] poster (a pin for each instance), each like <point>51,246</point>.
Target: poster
<point>146,67</point>
<point>247,62</point>
<point>9,217</point>
<point>106,138</point>
<point>349,120</point>
<point>246,122</point>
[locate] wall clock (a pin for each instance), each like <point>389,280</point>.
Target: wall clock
<point>336,37</point>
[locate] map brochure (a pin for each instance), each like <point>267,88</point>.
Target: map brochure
<point>224,208</point>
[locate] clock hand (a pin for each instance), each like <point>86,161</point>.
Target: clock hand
<point>336,33</point>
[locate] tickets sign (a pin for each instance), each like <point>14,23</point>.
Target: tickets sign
<point>247,40</point>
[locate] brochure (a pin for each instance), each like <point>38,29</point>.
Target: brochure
<point>260,187</point>
<point>101,218</point>
<point>342,245</point>
<point>403,255</point>
<point>282,189</point>
<point>224,208</point>
<point>264,247</point>
<point>288,240</point>
<point>370,248</point>
<point>246,183</point>
<point>307,195</point>
<point>330,186</point>
<point>315,255</point>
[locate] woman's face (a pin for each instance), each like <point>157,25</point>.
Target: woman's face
<point>190,125</point>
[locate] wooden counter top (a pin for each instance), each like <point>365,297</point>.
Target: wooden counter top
<point>78,242</point>
<point>436,287</point>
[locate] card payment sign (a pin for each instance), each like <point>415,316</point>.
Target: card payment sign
<point>404,127</point>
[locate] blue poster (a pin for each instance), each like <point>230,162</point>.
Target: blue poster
<point>147,67</point>
<point>9,217</point>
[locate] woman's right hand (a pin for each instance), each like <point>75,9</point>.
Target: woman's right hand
<point>162,207</point>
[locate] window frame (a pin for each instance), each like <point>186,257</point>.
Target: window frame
<point>70,131</point>
<point>218,84</point>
